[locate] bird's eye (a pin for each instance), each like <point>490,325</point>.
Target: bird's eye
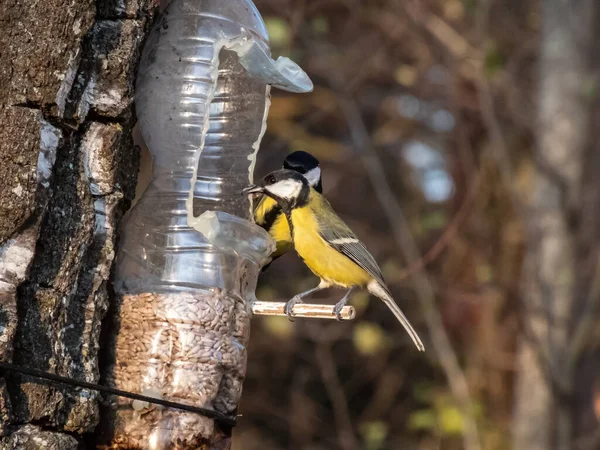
<point>271,180</point>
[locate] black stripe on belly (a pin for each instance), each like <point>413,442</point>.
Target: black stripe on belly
<point>271,216</point>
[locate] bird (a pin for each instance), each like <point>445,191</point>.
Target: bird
<point>326,244</point>
<point>269,215</point>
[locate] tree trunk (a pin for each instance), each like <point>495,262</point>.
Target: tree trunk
<point>560,290</point>
<point>67,174</point>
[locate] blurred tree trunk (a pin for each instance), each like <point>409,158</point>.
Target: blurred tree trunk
<point>554,395</point>
<point>67,172</point>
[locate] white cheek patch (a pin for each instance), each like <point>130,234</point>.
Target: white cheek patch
<point>287,189</point>
<point>313,176</point>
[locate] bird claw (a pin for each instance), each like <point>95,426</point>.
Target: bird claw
<point>289,306</point>
<point>337,309</point>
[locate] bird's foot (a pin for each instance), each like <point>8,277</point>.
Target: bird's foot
<point>337,309</point>
<point>289,306</point>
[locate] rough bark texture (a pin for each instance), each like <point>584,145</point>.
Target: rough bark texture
<point>554,396</point>
<point>19,137</point>
<point>67,173</point>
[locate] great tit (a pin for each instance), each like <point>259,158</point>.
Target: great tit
<point>268,213</point>
<point>326,244</point>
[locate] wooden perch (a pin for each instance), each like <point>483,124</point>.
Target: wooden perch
<point>302,310</point>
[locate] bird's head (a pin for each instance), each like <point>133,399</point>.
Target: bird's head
<point>288,188</point>
<point>306,164</point>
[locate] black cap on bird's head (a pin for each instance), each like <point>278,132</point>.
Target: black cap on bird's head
<point>306,164</point>
<point>287,187</point>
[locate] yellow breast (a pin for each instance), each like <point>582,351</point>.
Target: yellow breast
<point>279,229</point>
<point>324,261</point>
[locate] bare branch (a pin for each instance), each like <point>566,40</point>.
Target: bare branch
<point>441,342</point>
<point>448,233</point>
<point>335,391</point>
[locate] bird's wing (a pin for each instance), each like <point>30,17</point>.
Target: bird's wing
<point>339,236</point>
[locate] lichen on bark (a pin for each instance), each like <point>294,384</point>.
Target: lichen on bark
<point>67,174</point>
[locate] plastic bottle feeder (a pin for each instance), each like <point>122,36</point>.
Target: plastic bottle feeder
<point>190,256</point>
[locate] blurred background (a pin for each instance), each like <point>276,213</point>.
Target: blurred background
<point>457,138</point>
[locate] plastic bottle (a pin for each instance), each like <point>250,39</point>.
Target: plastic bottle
<point>189,258</point>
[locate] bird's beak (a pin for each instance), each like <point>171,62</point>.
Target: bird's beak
<point>253,189</point>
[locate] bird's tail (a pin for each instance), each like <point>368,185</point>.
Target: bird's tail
<point>381,292</point>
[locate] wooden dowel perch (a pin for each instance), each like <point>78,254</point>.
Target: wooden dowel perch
<point>302,310</point>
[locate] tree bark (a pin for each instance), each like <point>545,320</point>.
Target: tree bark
<point>559,292</point>
<point>67,173</point>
